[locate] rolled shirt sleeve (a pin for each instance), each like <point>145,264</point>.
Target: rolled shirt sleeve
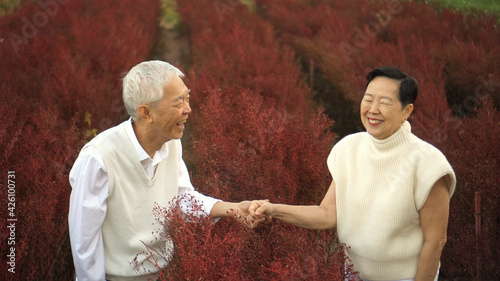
<point>186,188</point>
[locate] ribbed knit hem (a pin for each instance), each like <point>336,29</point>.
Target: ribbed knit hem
<point>131,278</point>
<point>385,270</point>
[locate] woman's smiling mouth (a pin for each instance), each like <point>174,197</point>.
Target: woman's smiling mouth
<point>374,122</point>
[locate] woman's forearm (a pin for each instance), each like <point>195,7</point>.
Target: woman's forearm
<point>323,216</point>
<point>312,217</point>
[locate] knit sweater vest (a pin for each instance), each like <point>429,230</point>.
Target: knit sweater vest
<point>380,187</point>
<point>132,194</point>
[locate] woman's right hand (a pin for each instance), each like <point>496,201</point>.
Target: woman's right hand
<point>260,209</point>
<point>323,216</point>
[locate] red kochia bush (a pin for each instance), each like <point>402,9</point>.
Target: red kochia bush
<point>239,51</point>
<point>256,118</point>
<point>229,251</point>
<point>248,149</point>
<point>82,45</point>
<point>34,143</point>
<point>254,150</point>
<point>470,148</point>
<point>197,245</point>
<point>335,34</point>
<point>255,135</point>
<point>68,66</point>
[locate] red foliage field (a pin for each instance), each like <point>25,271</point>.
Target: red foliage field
<point>59,60</point>
<point>256,131</point>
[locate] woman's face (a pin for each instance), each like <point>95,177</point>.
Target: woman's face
<point>381,111</point>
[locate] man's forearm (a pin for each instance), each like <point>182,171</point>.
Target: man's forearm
<point>222,209</point>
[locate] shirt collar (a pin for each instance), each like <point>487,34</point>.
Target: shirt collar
<point>159,156</point>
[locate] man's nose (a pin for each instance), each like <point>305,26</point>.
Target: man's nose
<point>187,109</point>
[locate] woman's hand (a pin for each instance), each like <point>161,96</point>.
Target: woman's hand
<point>261,209</point>
<point>323,216</point>
<point>241,212</point>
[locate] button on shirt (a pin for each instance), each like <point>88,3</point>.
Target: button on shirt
<point>88,205</point>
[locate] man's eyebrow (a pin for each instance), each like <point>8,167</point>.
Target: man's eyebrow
<point>368,95</point>
<point>183,96</point>
<point>386,97</point>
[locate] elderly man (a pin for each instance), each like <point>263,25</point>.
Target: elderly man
<point>120,175</point>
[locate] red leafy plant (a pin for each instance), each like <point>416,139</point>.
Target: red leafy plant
<point>228,250</point>
<point>69,66</point>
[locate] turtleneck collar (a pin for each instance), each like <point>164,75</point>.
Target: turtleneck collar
<point>401,136</point>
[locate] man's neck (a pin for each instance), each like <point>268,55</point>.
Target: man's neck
<point>148,143</point>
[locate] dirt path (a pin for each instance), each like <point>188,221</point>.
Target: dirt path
<point>172,45</point>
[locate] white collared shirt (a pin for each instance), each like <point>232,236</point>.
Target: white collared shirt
<point>88,205</point>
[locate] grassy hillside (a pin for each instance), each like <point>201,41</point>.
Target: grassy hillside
<point>489,6</point>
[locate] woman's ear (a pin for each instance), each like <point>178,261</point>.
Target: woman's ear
<point>408,110</point>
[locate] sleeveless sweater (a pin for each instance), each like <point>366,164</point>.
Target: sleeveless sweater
<point>380,187</point>
<point>132,195</point>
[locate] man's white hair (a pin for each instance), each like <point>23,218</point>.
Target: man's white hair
<point>145,82</point>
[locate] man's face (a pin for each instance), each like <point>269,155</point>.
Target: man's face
<point>172,111</point>
<point>381,111</point>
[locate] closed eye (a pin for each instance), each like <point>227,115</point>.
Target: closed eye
<point>180,101</point>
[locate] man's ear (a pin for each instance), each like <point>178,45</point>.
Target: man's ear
<point>144,112</point>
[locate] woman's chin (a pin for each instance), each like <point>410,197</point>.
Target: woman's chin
<point>376,133</point>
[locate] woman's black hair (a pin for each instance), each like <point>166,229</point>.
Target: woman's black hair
<point>408,89</point>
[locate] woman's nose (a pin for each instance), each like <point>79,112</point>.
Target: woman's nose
<point>374,108</point>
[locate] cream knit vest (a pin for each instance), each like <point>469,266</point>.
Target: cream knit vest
<point>131,198</point>
<point>380,187</point>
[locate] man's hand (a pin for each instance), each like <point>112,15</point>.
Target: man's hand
<point>240,211</point>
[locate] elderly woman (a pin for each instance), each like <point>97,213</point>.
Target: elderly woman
<point>390,194</point>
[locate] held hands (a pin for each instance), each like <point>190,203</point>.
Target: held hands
<point>250,213</point>
<point>261,209</point>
